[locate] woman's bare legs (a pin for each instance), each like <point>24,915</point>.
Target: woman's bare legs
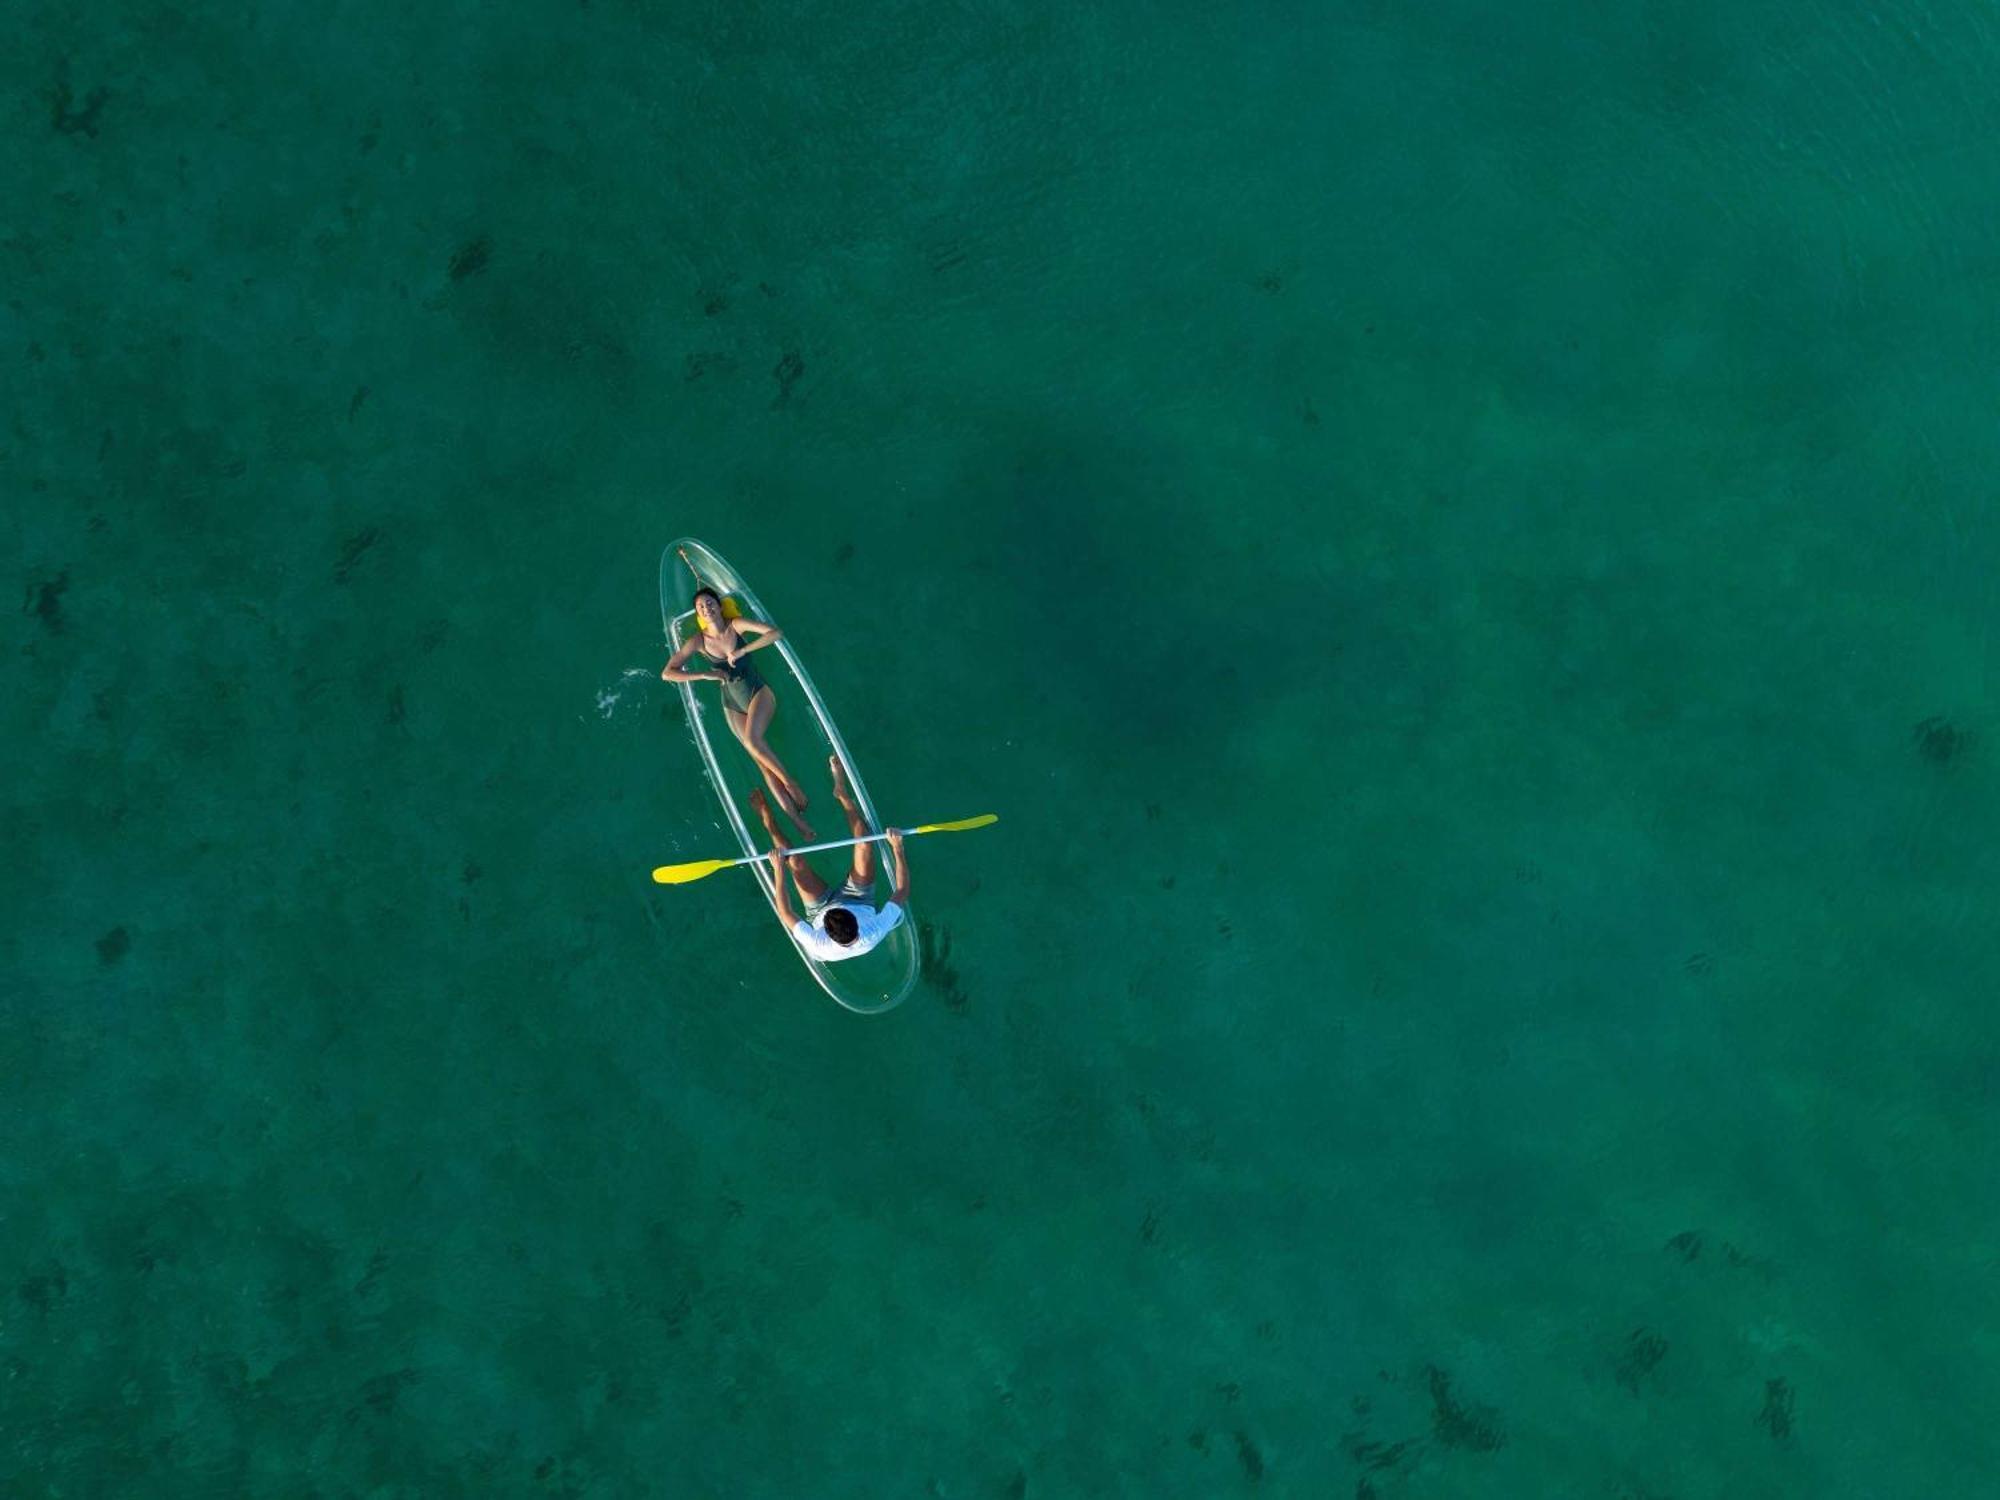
<point>762,708</point>
<point>749,730</point>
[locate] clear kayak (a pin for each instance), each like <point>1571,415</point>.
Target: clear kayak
<point>803,734</point>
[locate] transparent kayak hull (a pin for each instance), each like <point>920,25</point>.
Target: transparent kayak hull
<point>803,735</point>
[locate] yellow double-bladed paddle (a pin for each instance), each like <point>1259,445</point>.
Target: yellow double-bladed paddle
<point>701,869</point>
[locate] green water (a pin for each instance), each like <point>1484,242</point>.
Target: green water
<point>1458,540</point>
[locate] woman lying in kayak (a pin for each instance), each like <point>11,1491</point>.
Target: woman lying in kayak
<point>747,700</point>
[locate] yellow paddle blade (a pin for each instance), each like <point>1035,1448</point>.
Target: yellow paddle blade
<point>698,869</point>
<point>963,823</point>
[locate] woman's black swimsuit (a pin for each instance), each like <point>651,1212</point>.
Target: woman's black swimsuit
<point>740,681</point>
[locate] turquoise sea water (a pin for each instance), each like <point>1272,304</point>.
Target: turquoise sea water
<point>1459,541</point>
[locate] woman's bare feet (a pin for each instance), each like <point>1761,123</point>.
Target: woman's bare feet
<point>798,816</point>
<point>798,811</point>
<point>784,800</point>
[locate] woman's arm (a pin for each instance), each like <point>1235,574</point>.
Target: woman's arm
<point>672,672</point>
<point>767,635</point>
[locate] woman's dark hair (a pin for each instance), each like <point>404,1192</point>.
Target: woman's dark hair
<point>841,926</point>
<point>705,589</point>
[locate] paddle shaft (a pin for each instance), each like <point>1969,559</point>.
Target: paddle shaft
<point>758,859</point>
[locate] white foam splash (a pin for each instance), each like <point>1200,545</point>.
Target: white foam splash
<point>609,698</point>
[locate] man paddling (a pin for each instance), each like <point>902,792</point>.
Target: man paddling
<point>838,922</point>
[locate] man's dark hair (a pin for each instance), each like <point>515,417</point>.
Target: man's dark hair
<point>841,926</point>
